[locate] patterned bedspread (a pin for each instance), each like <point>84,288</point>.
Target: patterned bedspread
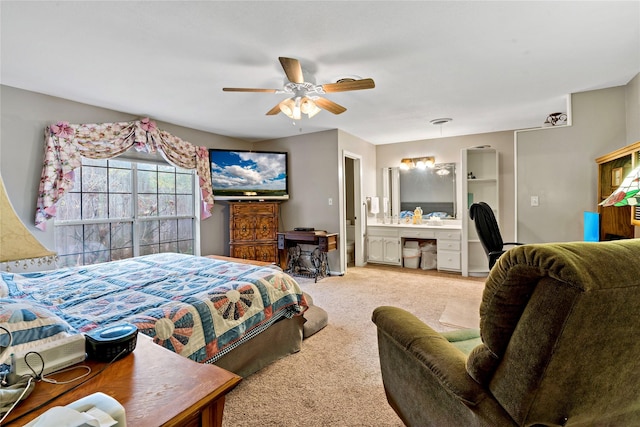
<point>198,307</point>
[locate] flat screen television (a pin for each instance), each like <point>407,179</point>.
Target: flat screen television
<point>248,175</point>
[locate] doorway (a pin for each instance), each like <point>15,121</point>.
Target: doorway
<point>352,246</point>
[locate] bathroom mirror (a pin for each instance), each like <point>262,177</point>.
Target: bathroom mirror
<point>432,189</point>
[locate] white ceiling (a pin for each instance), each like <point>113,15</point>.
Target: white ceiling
<point>490,66</point>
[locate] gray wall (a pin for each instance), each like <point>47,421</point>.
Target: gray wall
<point>315,168</point>
<point>552,163</point>
<point>448,150</point>
<point>632,104</point>
<point>558,165</point>
<point>316,176</point>
<point>24,116</point>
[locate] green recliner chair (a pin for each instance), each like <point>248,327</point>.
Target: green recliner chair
<point>558,345</point>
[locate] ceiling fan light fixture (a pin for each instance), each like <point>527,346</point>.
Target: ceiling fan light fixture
<point>308,107</point>
<point>296,109</point>
<point>287,107</point>
<point>303,91</point>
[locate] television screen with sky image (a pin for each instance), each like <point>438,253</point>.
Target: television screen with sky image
<point>248,175</point>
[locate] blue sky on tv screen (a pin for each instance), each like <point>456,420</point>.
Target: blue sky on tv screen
<point>248,170</point>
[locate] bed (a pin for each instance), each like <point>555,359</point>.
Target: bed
<point>238,316</point>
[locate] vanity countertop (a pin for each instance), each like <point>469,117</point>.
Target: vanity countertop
<point>448,224</point>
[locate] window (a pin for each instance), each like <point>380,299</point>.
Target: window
<point>120,209</point>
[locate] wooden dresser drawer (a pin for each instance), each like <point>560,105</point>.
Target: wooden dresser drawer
<point>242,251</point>
<point>267,252</point>
<point>242,228</point>
<point>266,228</point>
<point>251,209</point>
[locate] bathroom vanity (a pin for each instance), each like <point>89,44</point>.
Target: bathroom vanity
<point>385,242</point>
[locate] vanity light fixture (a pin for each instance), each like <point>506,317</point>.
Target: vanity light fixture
<point>406,164</point>
<point>418,162</point>
<point>425,162</point>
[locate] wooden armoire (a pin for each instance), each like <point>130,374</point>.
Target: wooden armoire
<point>253,228</point>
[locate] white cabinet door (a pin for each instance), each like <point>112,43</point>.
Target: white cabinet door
<point>391,250</point>
<point>383,246</point>
<point>375,249</point>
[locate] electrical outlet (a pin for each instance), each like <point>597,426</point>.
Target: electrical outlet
<point>534,201</point>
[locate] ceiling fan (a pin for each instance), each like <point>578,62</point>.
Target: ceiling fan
<point>304,96</point>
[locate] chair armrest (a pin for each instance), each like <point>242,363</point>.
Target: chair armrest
<point>513,244</point>
<point>432,351</point>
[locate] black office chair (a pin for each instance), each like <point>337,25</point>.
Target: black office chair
<point>488,231</point>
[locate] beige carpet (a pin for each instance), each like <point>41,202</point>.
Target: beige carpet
<point>461,313</point>
<point>335,379</point>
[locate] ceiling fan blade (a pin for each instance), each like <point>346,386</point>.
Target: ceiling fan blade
<point>247,89</point>
<point>330,106</point>
<point>292,69</point>
<point>349,85</point>
<point>275,110</point>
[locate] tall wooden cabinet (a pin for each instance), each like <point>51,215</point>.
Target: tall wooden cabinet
<point>253,228</point>
<point>480,173</point>
<point>617,222</point>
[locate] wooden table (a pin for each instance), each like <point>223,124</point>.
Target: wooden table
<point>156,387</point>
<point>326,242</point>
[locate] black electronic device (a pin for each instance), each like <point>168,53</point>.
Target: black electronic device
<point>111,342</point>
<point>304,229</point>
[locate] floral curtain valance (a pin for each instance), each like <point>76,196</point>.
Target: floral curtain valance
<point>66,144</point>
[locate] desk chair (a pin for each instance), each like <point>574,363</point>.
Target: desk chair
<point>488,231</point>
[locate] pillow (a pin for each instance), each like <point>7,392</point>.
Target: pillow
<point>4,287</point>
<point>30,321</point>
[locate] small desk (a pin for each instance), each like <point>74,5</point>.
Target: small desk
<point>156,387</point>
<point>290,252</point>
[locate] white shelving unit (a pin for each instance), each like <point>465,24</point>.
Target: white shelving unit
<point>480,172</point>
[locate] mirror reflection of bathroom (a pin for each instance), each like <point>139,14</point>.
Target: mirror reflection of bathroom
<point>350,210</point>
<point>351,243</point>
<point>431,189</point>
